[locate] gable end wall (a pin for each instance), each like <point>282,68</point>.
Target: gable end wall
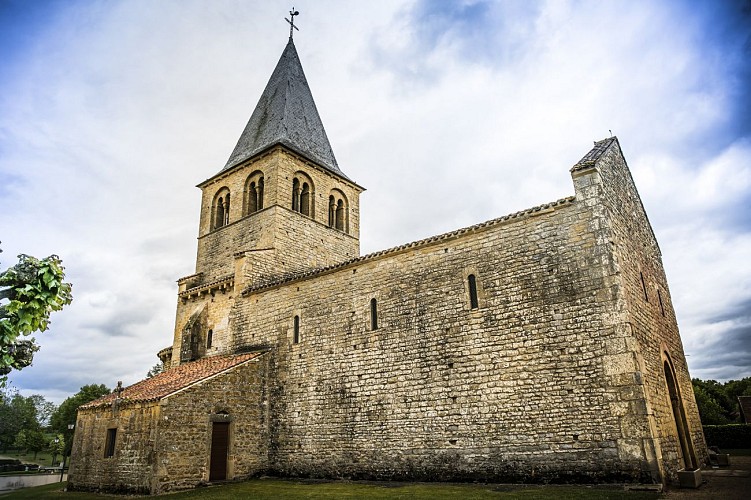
<point>650,327</point>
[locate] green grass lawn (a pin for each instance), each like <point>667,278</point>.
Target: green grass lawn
<point>287,489</point>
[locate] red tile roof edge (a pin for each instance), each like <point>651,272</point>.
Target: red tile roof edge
<point>173,380</point>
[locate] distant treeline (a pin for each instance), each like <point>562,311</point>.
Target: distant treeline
<point>718,402</point>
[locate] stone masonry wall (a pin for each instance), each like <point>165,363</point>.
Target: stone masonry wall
<point>266,228</point>
<point>267,244</point>
<point>184,444</point>
<point>165,445</point>
<point>216,308</point>
<point>646,310</point>
<point>130,469</point>
<point>513,390</point>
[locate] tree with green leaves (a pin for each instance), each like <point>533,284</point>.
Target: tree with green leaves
<point>29,292</point>
<point>16,413</point>
<point>35,441</point>
<point>44,409</point>
<point>155,370</point>
<point>56,447</point>
<point>65,414</point>
<point>20,442</point>
<point>710,411</point>
<point>718,401</point>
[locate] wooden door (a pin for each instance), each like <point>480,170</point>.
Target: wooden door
<point>219,451</point>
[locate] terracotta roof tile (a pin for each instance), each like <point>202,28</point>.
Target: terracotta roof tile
<point>173,380</point>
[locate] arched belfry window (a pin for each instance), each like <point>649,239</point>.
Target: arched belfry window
<point>220,209</point>
<point>302,194</point>
<point>254,193</point>
<point>472,283</point>
<point>338,213</point>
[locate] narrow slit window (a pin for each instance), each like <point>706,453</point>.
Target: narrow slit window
<point>209,339</point>
<point>109,449</point>
<point>296,330</point>
<point>659,298</point>
<point>644,287</point>
<point>473,304</point>
<point>373,314</point>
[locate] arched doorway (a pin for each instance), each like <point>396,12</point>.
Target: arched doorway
<point>679,416</point>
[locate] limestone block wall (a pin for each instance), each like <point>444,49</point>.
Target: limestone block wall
<point>513,390</point>
<point>271,227</point>
<point>165,445</point>
<point>184,444</point>
<point>646,308</point>
<point>130,469</point>
<point>324,183</point>
<point>216,249</point>
<point>214,308</point>
<point>234,181</point>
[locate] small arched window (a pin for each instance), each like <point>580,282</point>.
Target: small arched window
<point>303,195</point>
<point>296,330</point>
<point>254,192</point>
<point>373,314</point>
<point>220,209</point>
<point>338,213</point>
<point>472,282</point>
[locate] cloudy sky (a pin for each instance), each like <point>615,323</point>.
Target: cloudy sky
<point>449,112</point>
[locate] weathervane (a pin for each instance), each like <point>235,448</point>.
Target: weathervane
<point>291,22</point>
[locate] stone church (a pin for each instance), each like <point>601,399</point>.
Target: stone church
<point>541,346</point>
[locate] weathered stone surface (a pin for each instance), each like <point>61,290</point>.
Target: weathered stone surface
<point>560,373</point>
<point>165,444</point>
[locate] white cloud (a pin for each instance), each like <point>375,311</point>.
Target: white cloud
<point>121,108</point>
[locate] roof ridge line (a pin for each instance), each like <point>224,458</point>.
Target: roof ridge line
<point>290,277</point>
<point>186,367</point>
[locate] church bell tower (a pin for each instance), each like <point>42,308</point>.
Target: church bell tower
<point>280,205</point>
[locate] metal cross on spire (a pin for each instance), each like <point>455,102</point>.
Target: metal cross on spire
<point>291,21</point>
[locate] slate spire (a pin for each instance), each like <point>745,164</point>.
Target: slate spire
<point>286,114</point>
